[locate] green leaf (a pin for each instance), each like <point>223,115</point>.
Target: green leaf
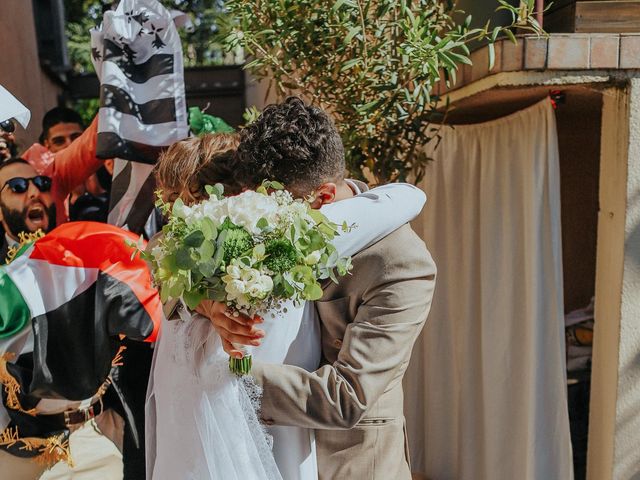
<point>206,251</point>
<point>511,36</point>
<point>340,3</point>
<point>178,204</point>
<point>317,216</point>
<point>313,292</point>
<point>259,251</point>
<point>193,298</point>
<point>288,289</point>
<point>209,229</point>
<point>353,31</point>
<point>207,268</point>
<point>164,294</point>
<point>183,259</point>
<point>492,55</point>
<point>349,64</point>
<point>495,33</point>
<point>194,239</point>
<point>218,294</point>
<point>262,224</point>
<point>169,263</point>
<point>176,287</point>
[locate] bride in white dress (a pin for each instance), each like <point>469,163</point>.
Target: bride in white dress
<point>201,420</point>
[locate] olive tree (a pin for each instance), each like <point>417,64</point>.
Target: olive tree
<point>371,63</point>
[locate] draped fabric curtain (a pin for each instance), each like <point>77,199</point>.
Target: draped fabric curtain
<point>486,388</point>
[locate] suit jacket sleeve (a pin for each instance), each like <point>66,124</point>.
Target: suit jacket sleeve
<point>76,163</point>
<point>374,355</point>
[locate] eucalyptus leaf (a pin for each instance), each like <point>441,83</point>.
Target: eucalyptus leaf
<point>193,298</point>
<point>184,261</point>
<point>313,292</point>
<point>209,229</point>
<point>206,250</point>
<point>194,239</point>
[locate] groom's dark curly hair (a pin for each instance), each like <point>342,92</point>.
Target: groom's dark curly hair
<point>294,143</point>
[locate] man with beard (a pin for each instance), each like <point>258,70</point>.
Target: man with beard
<point>26,204</point>
<point>31,202</point>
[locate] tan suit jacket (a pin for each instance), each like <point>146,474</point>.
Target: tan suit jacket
<point>370,321</point>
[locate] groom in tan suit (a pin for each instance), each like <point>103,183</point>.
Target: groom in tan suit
<point>370,320</point>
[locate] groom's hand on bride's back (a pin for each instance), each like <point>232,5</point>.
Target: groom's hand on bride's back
<point>232,327</point>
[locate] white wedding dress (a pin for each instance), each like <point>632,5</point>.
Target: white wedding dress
<point>201,420</point>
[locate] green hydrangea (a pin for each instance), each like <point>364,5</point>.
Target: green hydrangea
<point>236,243</point>
<point>281,255</point>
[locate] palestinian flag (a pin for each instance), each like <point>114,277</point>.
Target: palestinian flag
<point>64,303</point>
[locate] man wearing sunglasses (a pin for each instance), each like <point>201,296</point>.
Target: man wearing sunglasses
<point>30,201</point>
<point>26,204</point>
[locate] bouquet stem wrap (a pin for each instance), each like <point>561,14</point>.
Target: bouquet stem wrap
<point>241,366</point>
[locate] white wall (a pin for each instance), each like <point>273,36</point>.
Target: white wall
<point>626,453</point>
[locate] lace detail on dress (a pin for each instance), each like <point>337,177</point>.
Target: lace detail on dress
<point>254,394</point>
<point>250,403</point>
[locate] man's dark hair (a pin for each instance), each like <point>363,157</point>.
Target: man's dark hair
<point>11,161</point>
<point>294,143</point>
<point>58,115</point>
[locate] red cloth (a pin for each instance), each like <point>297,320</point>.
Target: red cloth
<point>72,166</point>
<point>39,157</point>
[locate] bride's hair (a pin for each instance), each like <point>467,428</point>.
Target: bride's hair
<point>193,163</point>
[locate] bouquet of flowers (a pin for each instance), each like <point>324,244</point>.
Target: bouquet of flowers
<point>253,251</point>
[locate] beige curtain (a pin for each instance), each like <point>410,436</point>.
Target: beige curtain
<point>486,389</point>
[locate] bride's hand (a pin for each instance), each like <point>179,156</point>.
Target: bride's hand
<point>238,329</point>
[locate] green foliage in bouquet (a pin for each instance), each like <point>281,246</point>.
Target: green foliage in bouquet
<point>236,243</point>
<point>252,251</point>
<point>372,63</point>
<point>281,255</point>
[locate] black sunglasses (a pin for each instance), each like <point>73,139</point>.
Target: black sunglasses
<point>8,126</point>
<point>21,184</point>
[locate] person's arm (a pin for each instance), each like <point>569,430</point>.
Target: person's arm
<point>76,163</point>
<point>375,352</point>
<point>375,214</point>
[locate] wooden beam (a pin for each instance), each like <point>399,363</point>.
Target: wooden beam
<point>609,271</point>
<point>607,17</point>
